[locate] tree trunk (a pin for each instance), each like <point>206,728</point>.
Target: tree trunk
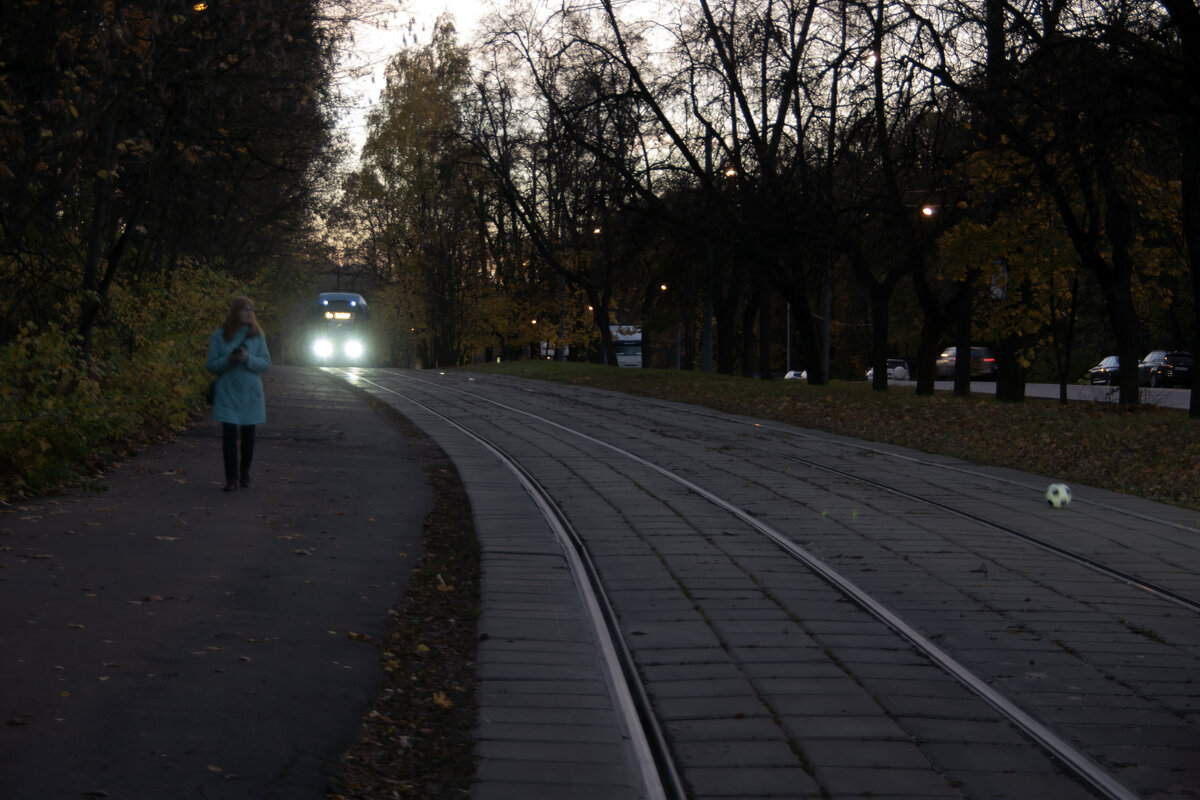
<point>806,332</point>
<point>879,336</point>
<point>749,314</point>
<point>764,333</point>
<point>964,307</point>
<point>725,311</point>
<point>1118,289</point>
<point>1010,375</point>
<point>1191,224</point>
<point>601,318</point>
<point>932,324</point>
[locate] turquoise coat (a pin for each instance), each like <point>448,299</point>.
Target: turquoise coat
<point>238,397</point>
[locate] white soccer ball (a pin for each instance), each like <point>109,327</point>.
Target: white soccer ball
<point>1058,495</point>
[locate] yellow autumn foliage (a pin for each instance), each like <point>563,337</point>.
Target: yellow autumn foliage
<point>63,413</point>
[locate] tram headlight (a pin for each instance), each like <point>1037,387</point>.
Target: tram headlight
<point>354,349</point>
<point>323,348</point>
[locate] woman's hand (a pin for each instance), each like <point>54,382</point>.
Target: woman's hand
<point>239,356</point>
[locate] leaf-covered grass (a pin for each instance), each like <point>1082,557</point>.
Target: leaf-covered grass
<point>1148,452</point>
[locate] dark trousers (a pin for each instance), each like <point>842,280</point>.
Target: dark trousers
<point>229,447</point>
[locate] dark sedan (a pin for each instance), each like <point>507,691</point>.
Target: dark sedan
<point>983,364</point>
<point>1107,372</point>
<point>1163,368</point>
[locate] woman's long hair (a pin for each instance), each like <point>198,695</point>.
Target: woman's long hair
<point>233,322</point>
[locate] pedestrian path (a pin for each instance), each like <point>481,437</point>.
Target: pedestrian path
<point>164,639</point>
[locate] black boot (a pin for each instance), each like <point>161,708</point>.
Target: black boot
<point>247,454</point>
<point>229,452</point>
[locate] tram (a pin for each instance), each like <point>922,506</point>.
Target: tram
<point>339,329</point>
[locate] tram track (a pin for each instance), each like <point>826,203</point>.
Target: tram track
<point>762,429</point>
<point>1059,747</point>
<point>1123,576</point>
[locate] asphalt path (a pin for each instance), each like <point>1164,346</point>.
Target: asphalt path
<point>164,639</point>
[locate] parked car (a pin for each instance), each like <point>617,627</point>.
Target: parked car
<point>1107,372</point>
<point>983,364</point>
<point>897,370</point>
<point>1163,368</point>
<point>796,375</point>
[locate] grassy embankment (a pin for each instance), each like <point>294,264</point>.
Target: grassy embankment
<point>1148,452</point>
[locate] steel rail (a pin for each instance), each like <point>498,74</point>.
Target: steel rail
<point>869,447</point>
<point>1067,753</point>
<point>1128,578</point>
<point>660,778</point>
<point>1160,592</point>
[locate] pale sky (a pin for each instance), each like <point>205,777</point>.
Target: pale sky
<point>388,32</point>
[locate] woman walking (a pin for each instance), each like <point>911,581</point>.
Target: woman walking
<point>237,355</point>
